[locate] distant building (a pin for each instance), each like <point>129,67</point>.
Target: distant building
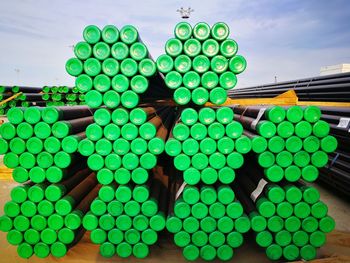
<point>334,69</point>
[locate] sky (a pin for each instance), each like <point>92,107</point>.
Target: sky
<point>283,38</point>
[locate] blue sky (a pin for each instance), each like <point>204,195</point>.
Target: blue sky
<point>283,38</point>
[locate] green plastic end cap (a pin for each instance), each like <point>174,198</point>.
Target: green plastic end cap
<point>189,116</point>
<point>201,31</point>
<point>191,176</point>
<point>218,96</point>
<point>291,252</point>
<point>235,239</point>
<point>274,252</point>
<point>237,64</point>
<point>129,34</point>
<point>264,238</point>
<point>124,250</point>
<point>129,99</point>
<point>93,98</point>
<point>226,175</point>
<point>111,99</point>
<point>82,50</point>
<point>92,34</point>
<point>327,224</point>
<point>319,159</point>
<point>182,96</point>
<point>149,236</point>
<point>101,50</point>
<point>285,129</point>
<point>55,222</point>
<point>41,250</point>
<point>61,129</point>
<point>58,249</point>
<point>190,252</point>
<point>123,193</point>
<point>276,194</point>
<point>147,67</point>
<point>312,114</point>
<point>90,222</point>
<point>25,250</point>
<point>64,206</point>
<point>265,207</point>
<point>139,175</point>
<point>173,47</point>
<point>294,114</point>
<point>220,31</point>
<point>228,48</point>
<point>329,144</point>
<point>183,31</point>
<point>139,84</point>
<point>173,224</point>
<point>266,129</point>
<point>165,63</point>
<point>275,114</point>
<point>182,210</point>
<point>173,80</point>
<point>102,83</point>
<point>321,129</point>
<point>308,252</point>
<point>74,66</point>
<point>235,160</point>
<point>274,173</point>
<point>292,173</point>
<point>317,239</point>
<point>224,115</point>
<point>51,115</point>
<point>258,223</point>
<point>15,115</point>
<point>95,162</point>
<point>140,250</point>
<point>311,195</point>
<point>234,130</point>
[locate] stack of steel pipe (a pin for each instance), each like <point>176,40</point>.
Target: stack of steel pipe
<point>116,74</point>
<point>30,97</point>
<point>114,68</point>
<point>323,88</point>
<point>200,63</point>
<point>45,213</point>
<point>62,96</point>
<point>336,174</point>
<point>294,142</point>
<point>134,164</point>
<point>289,220</point>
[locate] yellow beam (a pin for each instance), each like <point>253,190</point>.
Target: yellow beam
<point>10,98</point>
<point>286,98</point>
<point>324,103</point>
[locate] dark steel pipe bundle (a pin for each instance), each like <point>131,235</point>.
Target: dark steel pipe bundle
<point>324,88</point>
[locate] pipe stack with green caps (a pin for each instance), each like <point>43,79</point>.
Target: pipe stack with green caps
<point>291,143</point>
<point>125,219</point>
<point>289,220</point>
<point>62,96</point>
<point>30,96</point>
<point>200,63</point>
<point>47,218</point>
<point>113,68</point>
<point>207,221</point>
<point>207,147</point>
<point>40,145</point>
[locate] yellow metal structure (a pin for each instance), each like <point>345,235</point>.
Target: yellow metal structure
<point>10,98</point>
<point>288,98</point>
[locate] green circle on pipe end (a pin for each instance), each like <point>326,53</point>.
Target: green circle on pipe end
<point>312,114</point>
<point>294,114</point>
<point>303,129</point>
<point>308,252</point>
